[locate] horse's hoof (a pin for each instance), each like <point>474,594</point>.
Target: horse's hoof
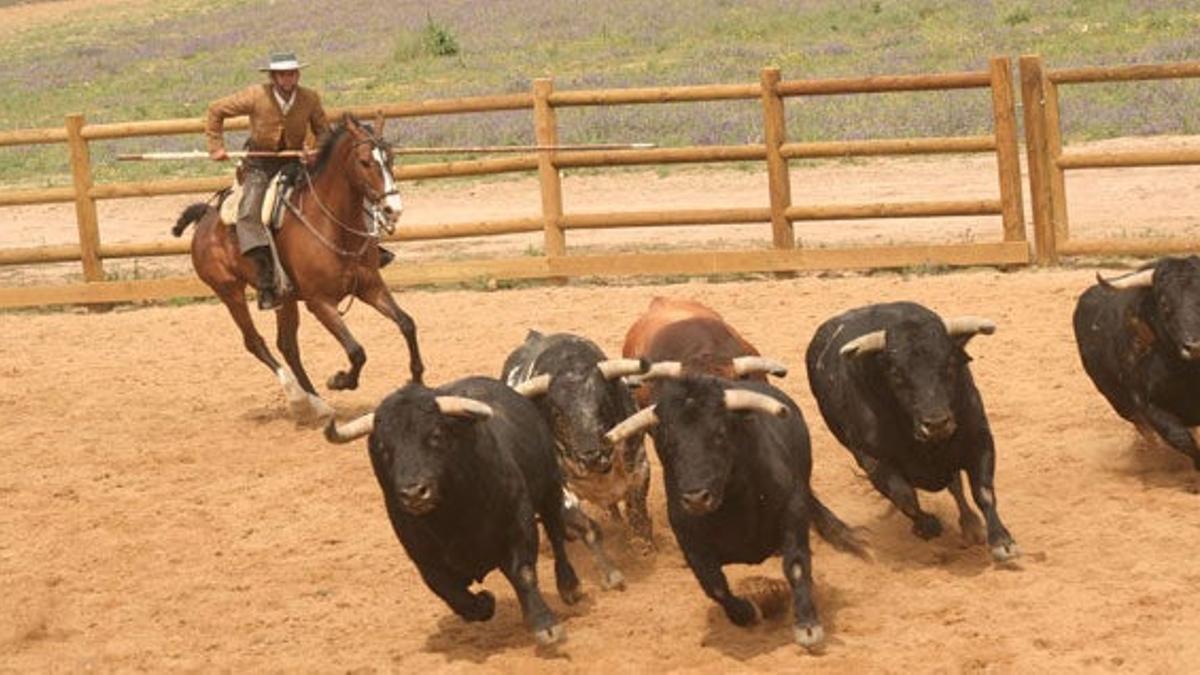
<point>341,381</point>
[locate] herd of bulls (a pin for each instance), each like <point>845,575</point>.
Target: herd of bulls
<point>468,468</point>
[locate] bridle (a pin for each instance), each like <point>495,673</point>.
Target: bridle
<point>373,198</point>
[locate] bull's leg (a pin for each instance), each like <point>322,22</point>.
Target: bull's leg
<point>378,296</point>
<point>972,527</point>
<point>520,568</point>
<point>636,508</point>
<point>454,591</point>
<point>797,568</point>
<point>327,314</point>
<point>579,526</point>
<point>1174,432</point>
<point>712,579</point>
<point>895,487</point>
<point>287,319</point>
<point>552,514</point>
<point>981,473</point>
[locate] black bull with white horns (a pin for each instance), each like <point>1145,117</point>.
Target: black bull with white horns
<point>1139,340</point>
<point>894,386</point>
<point>464,469</point>
<point>736,463</point>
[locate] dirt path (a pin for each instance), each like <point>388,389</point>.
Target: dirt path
<point>162,512</point>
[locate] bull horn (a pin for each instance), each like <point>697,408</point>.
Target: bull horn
<point>657,371</point>
<point>611,369</point>
<point>969,325</point>
<point>754,365</point>
<point>742,399</point>
<point>534,386</point>
<point>356,428</point>
<point>460,406</point>
<point>864,344</point>
<point>1142,279</point>
<point>639,421</point>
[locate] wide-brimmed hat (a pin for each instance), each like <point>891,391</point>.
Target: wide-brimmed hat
<point>282,61</point>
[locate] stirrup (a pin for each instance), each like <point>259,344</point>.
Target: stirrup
<point>385,257</point>
<point>267,299</point>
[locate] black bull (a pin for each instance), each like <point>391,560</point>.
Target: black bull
<point>1139,340</point>
<point>894,386</point>
<point>736,464</point>
<point>464,468</point>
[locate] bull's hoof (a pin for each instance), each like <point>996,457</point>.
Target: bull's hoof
<point>570,594</point>
<point>485,607</point>
<point>927,526</point>
<point>341,381</point>
<point>614,580</point>
<point>809,636</point>
<point>1006,551</point>
<point>551,635</point>
<point>972,529</point>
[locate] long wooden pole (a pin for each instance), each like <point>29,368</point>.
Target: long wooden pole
<point>85,207</point>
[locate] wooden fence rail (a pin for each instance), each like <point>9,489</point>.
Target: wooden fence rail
<point>1048,161</point>
<point>780,213</point>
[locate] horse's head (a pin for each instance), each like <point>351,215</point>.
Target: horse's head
<point>370,167</point>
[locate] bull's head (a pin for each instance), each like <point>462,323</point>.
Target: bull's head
<point>583,405</point>
<point>922,363</point>
<point>1174,284</point>
<point>414,437</point>
<point>697,422</point>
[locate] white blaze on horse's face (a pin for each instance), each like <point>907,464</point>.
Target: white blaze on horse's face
<point>391,201</point>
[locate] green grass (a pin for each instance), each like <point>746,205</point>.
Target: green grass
<point>169,58</point>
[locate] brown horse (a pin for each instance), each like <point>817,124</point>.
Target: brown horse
<point>326,250</point>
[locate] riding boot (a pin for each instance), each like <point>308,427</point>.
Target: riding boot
<point>261,256</point>
<point>385,257</point>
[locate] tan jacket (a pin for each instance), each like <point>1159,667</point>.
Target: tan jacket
<point>270,129</point>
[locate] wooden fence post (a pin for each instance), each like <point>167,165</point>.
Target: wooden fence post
<point>1033,100</point>
<point>1058,183</point>
<point>1008,160</point>
<point>778,180</point>
<point>85,206</point>
<point>546,133</point>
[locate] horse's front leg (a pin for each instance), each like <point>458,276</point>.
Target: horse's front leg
<point>287,324</point>
<point>328,315</point>
<point>378,296</point>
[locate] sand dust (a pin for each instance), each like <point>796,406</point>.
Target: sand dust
<point>162,511</point>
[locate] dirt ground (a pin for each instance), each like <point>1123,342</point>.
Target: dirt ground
<point>160,510</point>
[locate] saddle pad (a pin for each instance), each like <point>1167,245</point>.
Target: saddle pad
<point>229,207</point>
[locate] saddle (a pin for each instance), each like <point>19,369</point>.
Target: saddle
<point>278,191</point>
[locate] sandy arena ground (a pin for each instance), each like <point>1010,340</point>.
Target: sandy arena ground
<point>160,510</point>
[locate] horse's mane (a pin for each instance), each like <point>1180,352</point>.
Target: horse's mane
<point>326,150</point>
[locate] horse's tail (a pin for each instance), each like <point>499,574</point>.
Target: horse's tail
<point>190,215</point>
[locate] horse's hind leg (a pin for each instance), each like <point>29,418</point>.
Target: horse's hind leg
<point>328,315</point>
<point>234,298</point>
<point>378,296</point>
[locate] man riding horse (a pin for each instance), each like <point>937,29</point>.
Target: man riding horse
<point>281,114</point>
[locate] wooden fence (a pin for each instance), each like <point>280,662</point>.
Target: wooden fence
<point>779,212</point>
<point>1048,161</point>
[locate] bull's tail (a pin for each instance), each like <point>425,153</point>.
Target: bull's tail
<point>190,215</point>
<point>833,530</point>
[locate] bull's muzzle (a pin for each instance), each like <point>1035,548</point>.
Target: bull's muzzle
<point>698,502</point>
<point>936,428</point>
<point>418,498</point>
